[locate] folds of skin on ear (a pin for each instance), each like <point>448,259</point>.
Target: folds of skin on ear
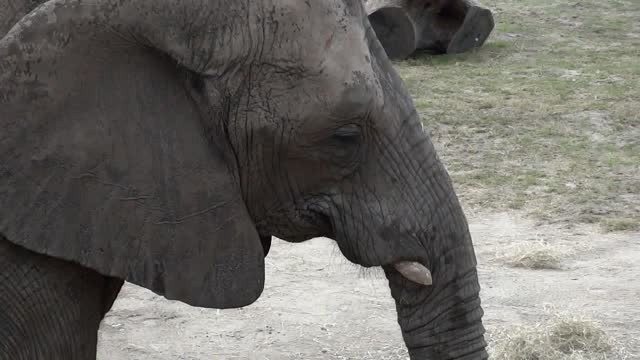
<point>11,11</point>
<point>104,161</point>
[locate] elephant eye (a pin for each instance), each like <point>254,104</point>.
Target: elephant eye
<point>348,135</point>
<point>345,145</point>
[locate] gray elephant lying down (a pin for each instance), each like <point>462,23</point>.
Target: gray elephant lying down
<point>432,26</point>
<point>164,142</point>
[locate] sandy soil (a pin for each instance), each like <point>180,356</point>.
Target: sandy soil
<point>318,306</point>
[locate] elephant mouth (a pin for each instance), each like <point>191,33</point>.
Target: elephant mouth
<point>413,271</point>
<point>305,224</point>
<point>318,216</point>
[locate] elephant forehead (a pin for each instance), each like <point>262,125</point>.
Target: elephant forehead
<point>359,94</point>
<point>312,33</point>
<point>351,82</point>
<point>348,76</point>
<point>337,92</point>
<point>323,53</point>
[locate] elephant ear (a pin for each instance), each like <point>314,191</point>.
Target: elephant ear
<point>104,161</point>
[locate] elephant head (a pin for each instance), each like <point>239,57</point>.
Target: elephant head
<point>164,142</point>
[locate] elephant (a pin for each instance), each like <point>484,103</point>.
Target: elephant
<point>165,142</point>
<point>405,27</point>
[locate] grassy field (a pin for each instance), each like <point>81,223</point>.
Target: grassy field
<point>546,116</point>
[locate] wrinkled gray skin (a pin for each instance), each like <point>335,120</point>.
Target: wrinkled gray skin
<point>11,11</point>
<point>163,142</point>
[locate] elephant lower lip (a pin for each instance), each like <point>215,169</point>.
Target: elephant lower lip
<point>322,221</point>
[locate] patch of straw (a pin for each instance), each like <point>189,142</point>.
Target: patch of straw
<point>534,255</point>
<point>563,337</point>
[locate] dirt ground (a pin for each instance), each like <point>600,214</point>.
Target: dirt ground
<point>316,305</point>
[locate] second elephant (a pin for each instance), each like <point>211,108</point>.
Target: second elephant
<point>434,26</point>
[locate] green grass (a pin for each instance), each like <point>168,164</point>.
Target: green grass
<point>545,117</point>
<point>622,224</point>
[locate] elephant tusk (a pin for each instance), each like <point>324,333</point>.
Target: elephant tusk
<point>415,272</point>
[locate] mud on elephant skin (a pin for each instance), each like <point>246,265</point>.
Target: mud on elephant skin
<point>405,27</point>
<point>165,142</point>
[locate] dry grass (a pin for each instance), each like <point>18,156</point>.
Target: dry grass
<point>545,117</point>
<point>563,337</point>
<point>535,255</point>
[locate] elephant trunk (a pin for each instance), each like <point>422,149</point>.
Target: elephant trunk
<point>442,322</point>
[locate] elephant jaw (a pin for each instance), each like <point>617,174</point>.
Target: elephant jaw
<point>415,272</point>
